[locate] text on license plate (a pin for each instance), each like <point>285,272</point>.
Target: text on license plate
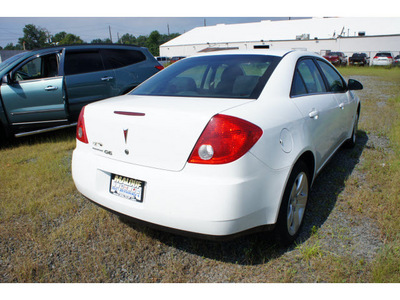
<point>126,187</point>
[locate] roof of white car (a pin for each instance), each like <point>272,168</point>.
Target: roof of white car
<point>278,53</point>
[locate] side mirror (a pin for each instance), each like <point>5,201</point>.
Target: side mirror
<point>4,79</point>
<point>354,85</point>
<point>7,78</point>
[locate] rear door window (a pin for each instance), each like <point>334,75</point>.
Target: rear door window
<point>307,79</point>
<point>119,58</point>
<point>77,62</point>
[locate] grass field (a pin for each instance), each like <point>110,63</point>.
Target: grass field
<point>50,233</point>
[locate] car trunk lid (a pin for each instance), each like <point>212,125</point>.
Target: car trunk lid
<point>158,132</point>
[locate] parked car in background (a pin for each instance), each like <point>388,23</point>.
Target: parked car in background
<point>397,60</point>
<point>45,89</point>
<point>219,143</point>
<point>382,59</point>
<point>359,59</point>
<point>176,58</point>
<point>336,58</point>
<point>163,60</point>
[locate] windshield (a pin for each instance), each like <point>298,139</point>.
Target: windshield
<point>10,60</point>
<point>219,76</point>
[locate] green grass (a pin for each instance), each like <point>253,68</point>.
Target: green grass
<point>387,266</point>
<point>383,171</point>
<point>50,233</point>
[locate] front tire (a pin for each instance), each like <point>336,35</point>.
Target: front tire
<point>293,206</point>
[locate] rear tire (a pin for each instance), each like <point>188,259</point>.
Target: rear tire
<point>293,206</point>
<point>3,139</point>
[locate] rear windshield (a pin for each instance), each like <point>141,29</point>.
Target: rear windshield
<point>383,54</point>
<point>219,76</point>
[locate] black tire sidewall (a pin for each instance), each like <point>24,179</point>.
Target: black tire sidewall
<point>281,230</point>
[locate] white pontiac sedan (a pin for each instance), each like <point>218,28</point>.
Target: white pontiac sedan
<point>218,144</point>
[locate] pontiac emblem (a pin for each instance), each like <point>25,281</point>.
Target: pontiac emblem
<point>126,135</point>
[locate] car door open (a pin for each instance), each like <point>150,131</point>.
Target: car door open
<point>86,79</point>
<point>34,92</point>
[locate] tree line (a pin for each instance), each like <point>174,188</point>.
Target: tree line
<point>36,37</point>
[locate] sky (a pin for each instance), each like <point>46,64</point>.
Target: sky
<point>90,28</point>
<point>141,17</point>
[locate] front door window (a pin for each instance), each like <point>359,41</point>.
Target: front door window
<point>38,68</point>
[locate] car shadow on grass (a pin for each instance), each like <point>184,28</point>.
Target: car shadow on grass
<point>259,248</point>
<point>51,136</point>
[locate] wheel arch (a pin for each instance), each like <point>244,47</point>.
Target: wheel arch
<point>308,158</point>
<point>5,132</point>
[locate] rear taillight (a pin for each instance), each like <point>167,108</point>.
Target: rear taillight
<point>390,57</point>
<point>80,128</point>
<point>159,67</point>
<point>375,57</point>
<point>224,140</point>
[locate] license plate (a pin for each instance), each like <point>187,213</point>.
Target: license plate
<point>126,187</point>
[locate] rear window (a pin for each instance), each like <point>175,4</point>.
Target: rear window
<point>383,54</point>
<point>219,76</point>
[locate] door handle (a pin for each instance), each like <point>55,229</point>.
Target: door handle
<point>51,88</point>
<point>341,105</point>
<point>314,114</point>
<point>107,78</point>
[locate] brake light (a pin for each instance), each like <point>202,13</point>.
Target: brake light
<point>80,128</point>
<point>224,140</point>
<point>390,57</point>
<point>375,57</point>
<point>159,67</point>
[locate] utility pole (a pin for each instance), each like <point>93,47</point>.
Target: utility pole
<point>168,28</point>
<point>205,24</point>
<point>109,29</point>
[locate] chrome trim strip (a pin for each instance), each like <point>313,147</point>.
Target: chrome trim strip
<point>44,130</point>
<point>40,122</point>
<point>36,111</point>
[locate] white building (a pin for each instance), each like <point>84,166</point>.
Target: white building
<point>320,35</point>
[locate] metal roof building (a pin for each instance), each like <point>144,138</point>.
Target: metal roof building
<point>319,35</point>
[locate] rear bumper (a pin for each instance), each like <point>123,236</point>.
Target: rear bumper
<point>358,62</point>
<point>381,63</point>
<point>207,200</point>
